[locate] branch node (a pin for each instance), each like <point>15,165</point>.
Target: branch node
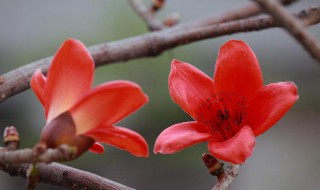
<point>147,15</point>
<point>157,5</point>
<point>171,19</point>
<point>32,176</point>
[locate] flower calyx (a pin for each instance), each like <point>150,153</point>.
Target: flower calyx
<point>62,130</point>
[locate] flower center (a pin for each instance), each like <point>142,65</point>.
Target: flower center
<point>224,113</point>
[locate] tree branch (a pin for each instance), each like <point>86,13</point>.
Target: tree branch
<point>226,178</point>
<point>147,45</point>
<point>64,176</point>
<point>293,26</point>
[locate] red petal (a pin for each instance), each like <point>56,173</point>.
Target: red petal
<point>189,87</point>
<point>236,149</point>
<point>69,77</point>
<point>107,104</point>
<point>237,70</point>
<point>121,138</point>
<point>97,148</point>
<point>38,83</point>
<point>180,136</point>
<point>269,104</point>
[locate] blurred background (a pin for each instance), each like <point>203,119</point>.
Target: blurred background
<point>286,157</point>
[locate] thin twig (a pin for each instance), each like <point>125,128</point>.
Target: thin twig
<point>233,14</point>
<point>226,178</point>
<point>249,10</point>
<point>64,176</point>
<point>38,154</point>
<point>148,45</point>
<point>146,15</point>
<point>293,26</point>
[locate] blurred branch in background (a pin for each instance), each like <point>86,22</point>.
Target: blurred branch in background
<point>146,14</point>
<point>149,17</point>
<point>233,14</point>
<point>156,5</point>
<point>293,26</point>
<point>149,45</point>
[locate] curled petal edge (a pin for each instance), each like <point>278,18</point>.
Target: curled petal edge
<point>122,138</point>
<point>236,149</point>
<point>38,84</point>
<point>97,148</point>
<point>180,136</point>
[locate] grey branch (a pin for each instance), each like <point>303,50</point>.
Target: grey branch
<point>64,176</point>
<point>226,178</point>
<point>295,27</point>
<point>148,45</point>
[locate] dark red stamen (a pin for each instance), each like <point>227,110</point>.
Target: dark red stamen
<point>224,113</point>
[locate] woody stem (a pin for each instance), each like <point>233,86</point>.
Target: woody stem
<point>226,178</point>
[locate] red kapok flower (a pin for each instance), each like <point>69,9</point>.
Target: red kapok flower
<point>80,116</point>
<point>230,110</point>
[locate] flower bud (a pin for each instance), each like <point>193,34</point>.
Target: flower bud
<point>11,138</point>
<point>214,166</point>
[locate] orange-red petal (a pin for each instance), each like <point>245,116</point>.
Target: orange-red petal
<point>189,87</point>
<point>236,149</point>
<point>107,104</point>
<point>38,84</point>
<point>70,76</point>
<point>180,136</point>
<point>237,70</point>
<point>122,138</point>
<point>97,148</point>
<point>269,104</point>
